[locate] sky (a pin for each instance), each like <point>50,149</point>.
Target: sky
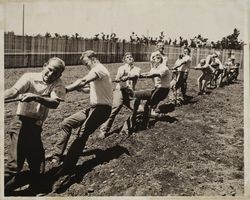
<point>212,19</point>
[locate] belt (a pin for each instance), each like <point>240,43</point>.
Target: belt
<point>38,122</point>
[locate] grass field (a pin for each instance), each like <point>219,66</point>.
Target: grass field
<point>196,151</point>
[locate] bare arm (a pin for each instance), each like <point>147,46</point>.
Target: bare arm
<point>80,83</point>
<point>149,75</point>
<point>11,93</point>
<point>42,99</point>
<point>130,77</point>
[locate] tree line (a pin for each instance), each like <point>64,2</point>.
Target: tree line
<point>228,42</point>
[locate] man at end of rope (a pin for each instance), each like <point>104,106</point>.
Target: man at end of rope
<point>87,120</point>
<point>126,78</point>
<point>41,91</point>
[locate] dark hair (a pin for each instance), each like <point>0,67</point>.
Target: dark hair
<point>189,50</point>
<point>160,41</point>
<point>127,53</point>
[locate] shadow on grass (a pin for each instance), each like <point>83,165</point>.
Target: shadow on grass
<point>55,181</point>
<point>162,118</point>
<point>76,174</point>
<point>189,100</point>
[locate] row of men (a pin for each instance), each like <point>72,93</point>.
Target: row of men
<point>42,91</point>
<point>215,74</point>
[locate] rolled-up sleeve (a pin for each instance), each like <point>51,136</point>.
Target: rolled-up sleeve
<point>58,90</point>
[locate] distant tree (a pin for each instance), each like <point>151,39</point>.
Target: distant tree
<point>96,37</point>
<point>175,42</point>
<point>47,35</point>
<point>57,35</point>
<point>198,41</point>
<point>65,37</point>
<point>10,33</point>
<point>180,41</point>
<point>231,41</point>
<point>169,41</point>
<point>212,44</point>
<point>103,36</point>
<point>218,45</point>
<point>161,37</point>
<point>192,43</point>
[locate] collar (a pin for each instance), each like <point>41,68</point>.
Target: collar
<point>129,66</point>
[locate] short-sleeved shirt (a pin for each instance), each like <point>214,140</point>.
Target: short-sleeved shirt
<point>186,60</point>
<point>165,76</point>
<point>33,83</point>
<point>127,70</point>
<point>101,91</point>
<point>164,57</point>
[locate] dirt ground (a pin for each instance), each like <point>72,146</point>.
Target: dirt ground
<point>197,150</point>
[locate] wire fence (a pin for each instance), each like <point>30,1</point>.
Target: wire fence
<point>29,51</point>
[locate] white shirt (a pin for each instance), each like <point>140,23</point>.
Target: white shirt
<point>127,70</point>
<point>207,70</point>
<point>165,76</point>
<point>214,62</point>
<point>164,57</point>
<point>101,91</point>
<point>186,60</point>
<point>33,83</point>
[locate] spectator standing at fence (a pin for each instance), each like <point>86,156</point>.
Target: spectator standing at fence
<point>40,92</point>
<point>161,77</point>
<point>127,76</point>
<point>160,51</point>
<point>182,69</point>
<point>88,120</point>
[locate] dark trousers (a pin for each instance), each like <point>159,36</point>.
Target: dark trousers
<point>120,98</point>
<point>96,116</point>
<point>77,120</point>
<point>25,144</point>
<point>152,97</point>
<point>182,82</point>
